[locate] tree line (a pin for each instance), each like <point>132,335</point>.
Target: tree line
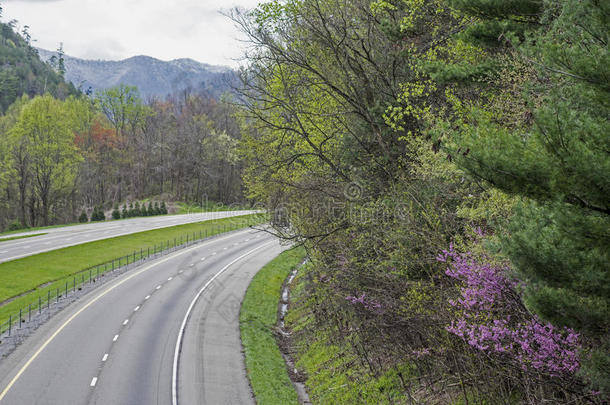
<point>59,157</point>
<point>446,165</point>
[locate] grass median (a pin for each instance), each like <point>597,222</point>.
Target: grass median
<point>264,363</point>
<point>31,276</point>
<point>21,237</point>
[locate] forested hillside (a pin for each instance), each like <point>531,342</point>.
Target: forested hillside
<point>445,163</point>
<point>22,71</point>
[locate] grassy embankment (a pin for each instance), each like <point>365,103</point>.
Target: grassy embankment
<point>336,373</point>
<point>264,363</point>
<point>37,274</point>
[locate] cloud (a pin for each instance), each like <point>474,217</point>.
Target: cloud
<point>117,29</point>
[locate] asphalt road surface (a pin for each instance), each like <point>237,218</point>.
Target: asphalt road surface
<point>56,238</point>
<point>128,342</point>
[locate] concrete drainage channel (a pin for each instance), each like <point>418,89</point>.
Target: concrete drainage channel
<point>30,321</point>
<point>297,379</point>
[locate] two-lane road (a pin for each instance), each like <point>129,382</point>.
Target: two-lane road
<point>57,238</point>
<point>130,342</point>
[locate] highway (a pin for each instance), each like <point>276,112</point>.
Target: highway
<point>166,332</point>
<point>57,238</point>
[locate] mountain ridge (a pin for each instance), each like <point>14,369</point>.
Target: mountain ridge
<point>152,76</point>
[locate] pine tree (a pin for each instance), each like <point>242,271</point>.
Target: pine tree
<point>83,217</point>
<point>116,214</point>
<point>150,210</point>
<point>132,211</point>
<point>559,239</point>
<point>157,210</point>
<point>163,208</point>
<point>124,212</point>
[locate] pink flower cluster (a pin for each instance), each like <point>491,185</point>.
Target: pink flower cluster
<point>366,302</point>
<point>492,320</point>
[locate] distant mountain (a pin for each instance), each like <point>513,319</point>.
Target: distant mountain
<point>153,77</point>
<point>22,71</point>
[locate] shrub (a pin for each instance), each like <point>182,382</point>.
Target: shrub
<point>16,225</point>
<point>83,217</point>
<point>116,214</point>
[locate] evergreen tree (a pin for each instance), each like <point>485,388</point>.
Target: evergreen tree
<point>124,212</point>
<point>116,214</point>
<point>132,211</point>
<point>163,208</point>
<point>149,210</point>
<point>559,239</point>
<point>137,210</point>
<point>157,210</point>
<point>83,217</point>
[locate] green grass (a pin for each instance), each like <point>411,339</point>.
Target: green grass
<point>187,208</point>
<point>40,273</point>
<point>21,237</point>
<point>264,363</point>
<point>39,228</point>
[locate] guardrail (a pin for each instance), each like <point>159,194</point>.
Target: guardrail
<point>61,289</point>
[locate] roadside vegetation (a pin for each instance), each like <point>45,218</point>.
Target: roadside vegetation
<point>445,163</point>
<point>258,321</point>
<point>33,275</point>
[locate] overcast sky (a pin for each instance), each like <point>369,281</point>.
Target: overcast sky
<point>118,29</point>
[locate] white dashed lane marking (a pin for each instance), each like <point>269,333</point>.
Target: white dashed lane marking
<point>170,279</point>
<point>115,338</point>
<point>105,357</point>
<point>125,322</point>
<point>158,287</point>
<point>147,297</point>
<point>94,381</point>
<point>136,309</point>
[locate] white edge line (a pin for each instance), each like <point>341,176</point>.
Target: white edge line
<point>187,315</point>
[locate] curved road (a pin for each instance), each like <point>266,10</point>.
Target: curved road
<point>57,238</point>
<point>118,344</point>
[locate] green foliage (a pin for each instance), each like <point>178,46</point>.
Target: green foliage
<point>23,73</point>
<point>45,138</point>
<point>83,218</point>
<point>98,214</point>
<point>558,238</point>
<point>15,226</point>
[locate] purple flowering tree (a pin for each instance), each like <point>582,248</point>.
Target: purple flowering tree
<point>491,318</point>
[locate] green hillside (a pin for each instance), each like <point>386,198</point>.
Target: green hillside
<point>23,72</point>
